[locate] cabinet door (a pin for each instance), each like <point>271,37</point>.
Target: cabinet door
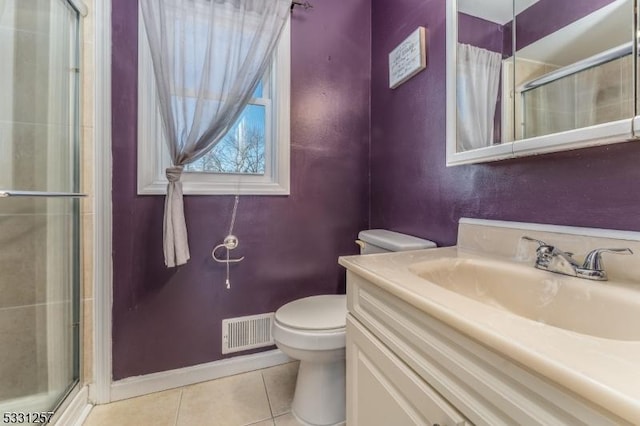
<point>382,390</point>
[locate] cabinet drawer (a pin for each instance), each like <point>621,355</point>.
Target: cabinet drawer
<point>382,390</point>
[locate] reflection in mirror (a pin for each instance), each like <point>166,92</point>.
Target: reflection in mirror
<point>484,44</point>
<point>637,85</point>
<point>572,66</point>
<point>568,66</point>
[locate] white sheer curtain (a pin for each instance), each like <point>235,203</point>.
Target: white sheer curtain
<point>478,80</point>
<point>208,58</point>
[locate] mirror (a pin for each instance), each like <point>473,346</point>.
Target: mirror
<point>532,76</point>
<point>484,56</point>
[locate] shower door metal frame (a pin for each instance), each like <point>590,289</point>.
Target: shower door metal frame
<point>55,336</point>
<point>57,351</point>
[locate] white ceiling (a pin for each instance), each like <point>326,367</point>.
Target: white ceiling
<point>498,11</point>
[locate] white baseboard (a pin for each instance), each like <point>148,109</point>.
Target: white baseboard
<point>156,382</point>
<point>75,412</point>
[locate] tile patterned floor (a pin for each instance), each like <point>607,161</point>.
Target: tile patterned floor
<point>257,398</point>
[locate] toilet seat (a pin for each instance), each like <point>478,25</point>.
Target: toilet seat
<point>325,312</point>
<point>312,323</point>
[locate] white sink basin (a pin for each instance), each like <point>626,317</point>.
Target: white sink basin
<point>602,309</point>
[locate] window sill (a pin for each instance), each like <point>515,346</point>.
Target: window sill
<point>252,186</point>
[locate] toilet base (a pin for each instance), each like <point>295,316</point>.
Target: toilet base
<point>319,398</point>
<point>303,423</point>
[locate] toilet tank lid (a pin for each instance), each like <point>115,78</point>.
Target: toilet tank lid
<point>394,241</point>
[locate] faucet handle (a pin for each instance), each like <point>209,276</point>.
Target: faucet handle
<point>540,242</point>
<point>593,260</point>
<point>544,250</point>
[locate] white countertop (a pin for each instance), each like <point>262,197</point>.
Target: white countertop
<point>603,371</point>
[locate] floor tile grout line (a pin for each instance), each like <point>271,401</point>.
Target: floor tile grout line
<point>271,420</point>
<point>261,421</point>
<point>179,407</point>
<point>266,391</point>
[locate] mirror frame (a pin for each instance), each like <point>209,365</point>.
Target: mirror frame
<point>625,130</point>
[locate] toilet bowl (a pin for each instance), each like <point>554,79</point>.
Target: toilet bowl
<point>312,330</point>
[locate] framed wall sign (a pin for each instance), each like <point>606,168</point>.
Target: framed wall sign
<point>408,58</point>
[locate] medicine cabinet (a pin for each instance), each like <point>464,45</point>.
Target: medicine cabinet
<point>527,77</point>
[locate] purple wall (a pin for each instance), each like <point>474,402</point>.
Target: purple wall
<point>480,33</point>
<point>411,189</point>
<point>537,21</point>
<point>171,318</point>
<point>548,16</point>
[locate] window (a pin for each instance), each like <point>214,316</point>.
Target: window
<point>242,149</point>
<point>252,158</point>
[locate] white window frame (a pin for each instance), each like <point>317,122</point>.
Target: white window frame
<point>153,155</point>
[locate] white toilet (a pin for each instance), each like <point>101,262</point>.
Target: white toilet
<point>312,330</point>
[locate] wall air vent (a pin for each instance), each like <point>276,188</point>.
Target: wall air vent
<point>243,333</point>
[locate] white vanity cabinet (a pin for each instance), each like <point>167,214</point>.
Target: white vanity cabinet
<point>383,390</point>
<point>405,367</point>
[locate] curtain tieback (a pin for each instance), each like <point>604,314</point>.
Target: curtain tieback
<point>173,173</point>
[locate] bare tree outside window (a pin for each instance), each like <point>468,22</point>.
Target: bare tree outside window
<point>241,151</point>
<point>236,153</point>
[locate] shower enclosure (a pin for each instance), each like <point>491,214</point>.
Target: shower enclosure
<point>579,96</point>
<point>39,206</point>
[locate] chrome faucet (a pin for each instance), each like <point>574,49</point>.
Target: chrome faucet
<point>552,259</point>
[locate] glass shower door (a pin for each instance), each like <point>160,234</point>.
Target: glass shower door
<point>39,206</point>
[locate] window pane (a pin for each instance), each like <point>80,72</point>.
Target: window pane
<point>258,92</point>
<point>194,37</point>
<point>241,150</point>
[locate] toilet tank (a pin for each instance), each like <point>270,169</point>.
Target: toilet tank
<point>383,241</point>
